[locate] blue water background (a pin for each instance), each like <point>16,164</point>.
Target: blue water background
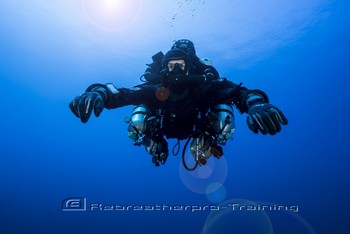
<point>50,51</point>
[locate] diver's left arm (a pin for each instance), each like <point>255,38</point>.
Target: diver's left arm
<point>262,116</point>
<point>100,96</point>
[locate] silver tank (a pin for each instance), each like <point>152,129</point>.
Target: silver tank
<point>224,123</point>
<point>138,122</point>
<point>200,149</point>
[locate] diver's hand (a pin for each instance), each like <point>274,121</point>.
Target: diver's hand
<point>265,118</point>
<point>82,105</point>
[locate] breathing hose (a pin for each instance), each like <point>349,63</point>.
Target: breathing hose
<point>183,157</point>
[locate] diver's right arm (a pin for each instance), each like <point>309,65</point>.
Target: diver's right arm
<point>100,96</point>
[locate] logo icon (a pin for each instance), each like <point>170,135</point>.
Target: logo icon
<point>74,204</point>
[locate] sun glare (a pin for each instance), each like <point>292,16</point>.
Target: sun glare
<point>111,15</point>
<point>111,7</point>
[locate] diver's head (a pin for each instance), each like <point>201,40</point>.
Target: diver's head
<point>176,64</point>
<point>185,45</point>
<point>176,61</point>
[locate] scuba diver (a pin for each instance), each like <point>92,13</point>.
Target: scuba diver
<point>153,75</point>
<point>182,106</point>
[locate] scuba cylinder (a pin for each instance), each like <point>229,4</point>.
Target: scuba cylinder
<point>223,123</point>
<point>143,130</point>
<point>219,127</point>
<point>200,149</point>
<point>138,124</point>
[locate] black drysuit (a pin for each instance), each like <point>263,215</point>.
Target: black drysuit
<point>182,109</point>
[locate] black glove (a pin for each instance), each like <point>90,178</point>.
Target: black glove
<point>266,118</point>
<point>82,105</point>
